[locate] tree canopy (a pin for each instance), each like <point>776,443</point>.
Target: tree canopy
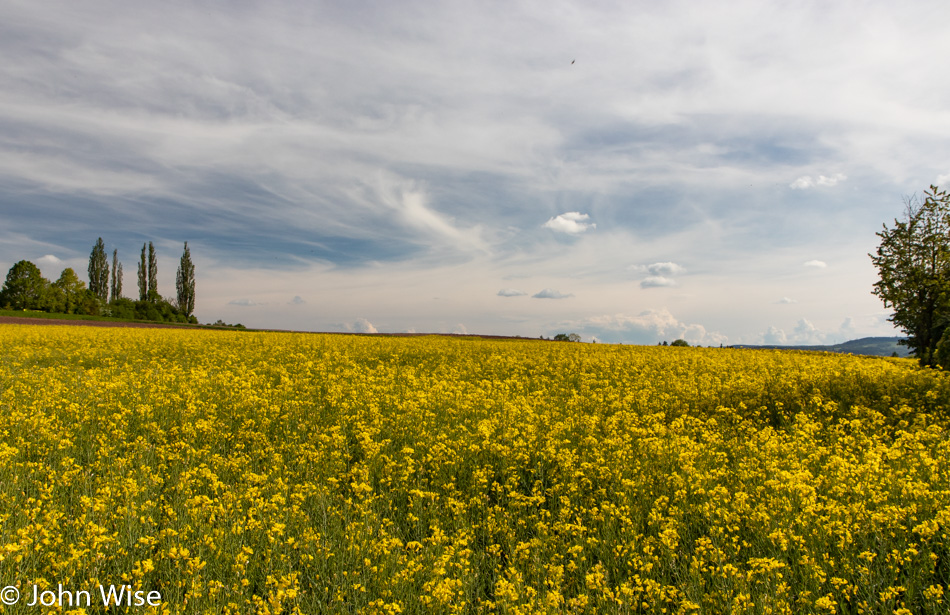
<point>185,283</point>
<point>99,271</point>
<point>913,262</point>
<point>25,287</point>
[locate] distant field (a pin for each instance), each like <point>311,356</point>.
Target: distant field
<point>251,472</point>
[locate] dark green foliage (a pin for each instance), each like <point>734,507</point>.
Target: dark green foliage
<point>153,295</point>
<point>567,337</point>
<point>116,276</point>
<point>680,342</point>
<point>157,311</point>
<point>69,295</point>
<point>143,277</point>
<point>99,271</point>
<point>913,261</point>
<point>25,288</point>
<point>185,283</point>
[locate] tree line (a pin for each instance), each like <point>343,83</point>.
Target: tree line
<point>25,288</point>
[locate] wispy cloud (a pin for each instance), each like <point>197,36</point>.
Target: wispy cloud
<point>657,281</point>
<point>511,292</point>
<point>550,293</point>
<point>816,264</point>
<point>244,302</point>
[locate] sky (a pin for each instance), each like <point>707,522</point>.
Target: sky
<point>630,171</point>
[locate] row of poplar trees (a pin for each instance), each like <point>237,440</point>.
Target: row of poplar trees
<point>103,286</point>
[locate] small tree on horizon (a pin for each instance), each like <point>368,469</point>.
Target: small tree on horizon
<point>99,271</point>
<point>185,283</point>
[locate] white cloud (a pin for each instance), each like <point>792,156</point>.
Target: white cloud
<point>460,329</point>
<point>297,300</point>
<point>774,336</point>
<point>816,264</point>
<point>511,292</point>
<point>657,281</point>
<point>550,293</point>
<point>804,182</point>
<point>48,259</point>
<point>648,327</point>
<point>831,181</point>
<point>666,268</point>
<point>362,326</point>
<point>571,222</point>
<point>806,333</point>
<point>244,302</point>
<point>786,301</point>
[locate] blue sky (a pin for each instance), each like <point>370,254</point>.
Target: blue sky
<point>632,172</point>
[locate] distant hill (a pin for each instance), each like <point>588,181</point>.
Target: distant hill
<point>874,346</point>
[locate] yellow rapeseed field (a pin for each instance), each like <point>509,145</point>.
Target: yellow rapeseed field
<point>240,472</point>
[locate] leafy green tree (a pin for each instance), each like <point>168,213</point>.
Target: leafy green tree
<point>680,342</point>
<point>25,287</point>
<point>70,293</point>
<point>153,295</point>
<point>185,283</point>
<point>99,271</point>
<point>116,276</point>
<point>143,277</point>
<point>913,262</point>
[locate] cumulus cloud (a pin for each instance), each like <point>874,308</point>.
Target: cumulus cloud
<point>804,182</point>
<point>572,223</point>
<point>363,326</point>
<point>774,336</point>
<point>460,329</point>
<point>786,301</point>
<point>816,264</point>
<point>659,274</point>
<point>48,259</point>
<point>806,333</point>
<point>297,300</point>
<point>648,327</point>
<point>550,293</point>
<point>511,292</point>
<point>665,269</point>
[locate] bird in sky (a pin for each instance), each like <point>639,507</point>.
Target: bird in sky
<point>572,61</point>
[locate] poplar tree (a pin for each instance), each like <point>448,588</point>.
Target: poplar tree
<point>152,274</point>
<point>116,276</point>
<point>99,271</point>
<point>143,277</point>
<point>185,283</point>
